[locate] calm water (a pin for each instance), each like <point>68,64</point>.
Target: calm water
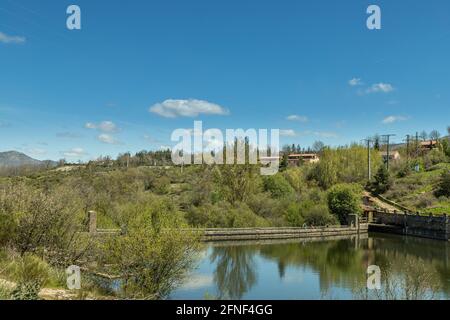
<point>336,269</point>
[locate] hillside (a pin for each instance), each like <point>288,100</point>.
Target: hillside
<point>416,191</point>
<point>18,159</point>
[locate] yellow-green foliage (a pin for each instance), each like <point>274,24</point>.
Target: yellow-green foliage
<point>348,165</point>
<point>154,254</point>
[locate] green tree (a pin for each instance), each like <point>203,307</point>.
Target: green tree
<point>345,199</point>
<point>382,180</point>
<point>277,186</point>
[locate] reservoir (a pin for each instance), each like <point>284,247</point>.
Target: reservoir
<point>411,268</point>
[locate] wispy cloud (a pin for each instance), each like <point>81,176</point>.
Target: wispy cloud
<point>4,38</point>
<point>104,126</point>
<point>295,117</point>
<point>287,133</point>
<point>380,88</point>
<point>172,108</point>
<point>74,153</point>
<point>355,82</point>
<point>108,139</point>
<point>392,119</point>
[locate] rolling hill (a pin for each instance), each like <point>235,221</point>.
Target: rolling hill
<point>18,159</point>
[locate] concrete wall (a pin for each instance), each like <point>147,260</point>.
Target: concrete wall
<point>436,227</point>
<point>280,233</point>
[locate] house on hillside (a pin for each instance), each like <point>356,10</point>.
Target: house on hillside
<point>299,158</point>
<point>428,145</point>
<point>393,155</point>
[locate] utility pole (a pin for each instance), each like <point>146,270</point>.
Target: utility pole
<point>417,144</point>
<point>369,169</point>
<point>407,147</point>
<point>387,137</point>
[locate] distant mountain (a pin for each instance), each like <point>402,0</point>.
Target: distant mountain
<point>17,159</point>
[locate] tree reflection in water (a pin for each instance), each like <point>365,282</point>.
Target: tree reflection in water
<point>235,271</point>
<point>412,268</point>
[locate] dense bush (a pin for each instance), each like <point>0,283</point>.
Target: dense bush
<point>444,185</point>
<point>345,199</point>
<point>43,223</point>
<point>309,213</point>
<point>224,215</point>
<point>434,157</point>
<point>154,254</point>
<point>277,186</point>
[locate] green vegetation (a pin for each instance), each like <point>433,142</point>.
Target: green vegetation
<point>43,214</point>
<point>382,181</point>
<point>443,189</point>
<point>345,199</point>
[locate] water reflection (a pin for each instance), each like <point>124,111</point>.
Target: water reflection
<point>412,268</point>
<point>235,271</point>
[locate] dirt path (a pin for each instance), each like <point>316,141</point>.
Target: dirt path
<point>379,203</point>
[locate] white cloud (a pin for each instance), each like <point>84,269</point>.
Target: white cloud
<point>107,138</point>
<point>104,126</point>
<point>164,148</point>
<point>355,82</point>
<point>4,38</point>
<point>74,153</point>
<point>186,108</point>
<point>287,133</point>
<point>392,119</point>
<point>380,87</point>
<point>198,282</point>
<point>295,117</point>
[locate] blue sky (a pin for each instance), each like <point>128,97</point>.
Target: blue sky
<point>233,64</point>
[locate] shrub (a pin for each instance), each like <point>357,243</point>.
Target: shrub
<point>434,157</point>
<point>293,215</point>
<point>30,273</point>
<point>224,215</point>
<point>265,206</point>
<point>345,199</point>
<point>26,291</point>
<point>154,254</point>
<point>44,223</point>
<point>319,216</point>
<point>309,213</point>
<point>29,268</point>
<point>444,185</point>
<point>277,186</point>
